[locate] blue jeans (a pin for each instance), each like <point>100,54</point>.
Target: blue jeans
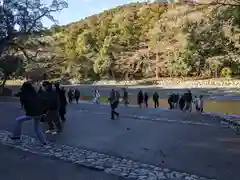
<point>37,127</point>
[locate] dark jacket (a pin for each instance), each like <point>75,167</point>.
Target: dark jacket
<point>33,104</point>
<point>171,98</point>
<point>62,97</point>
<point>145,97</point>
<point>125,95</point>
<point>51,100</point>
<point>140,97</point>
<point>77,93</point>
<point>155,97</point>
<point>188,97</point>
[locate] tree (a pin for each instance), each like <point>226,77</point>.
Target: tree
<point>21,24</point>
<point>8,65</point>
<point>148,40</point>
<point>213,2</point>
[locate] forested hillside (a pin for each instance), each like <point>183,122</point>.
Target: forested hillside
<point>144,40</point>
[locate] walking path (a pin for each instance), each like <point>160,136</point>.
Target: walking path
<point>109,164</point>
<point>163,114</point>
<point>232,121</point>
<point>136,148</point>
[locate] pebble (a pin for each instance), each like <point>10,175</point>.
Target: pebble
<point>114,165</point>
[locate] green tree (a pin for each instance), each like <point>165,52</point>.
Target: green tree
<point>21,23</point>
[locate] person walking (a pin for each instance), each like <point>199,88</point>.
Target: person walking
<point>125,97</point>
<point>114,101</point>
<point>140,98</point>
<point>34,110</point>
<point>76,95</point>
<point>195,103</point>
<point>97,96</point>
<point>70,95</point>
<point>200,104</point>
<point>51,98</point>
<point>182,102</point>
<point>188,100</point>
<point>171,101</point>
<point>175,100</point>
<point>156,100</point>
<point>62,100</point>
<point>146,99</point>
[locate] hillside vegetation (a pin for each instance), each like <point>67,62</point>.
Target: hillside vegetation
<point>142,40</point>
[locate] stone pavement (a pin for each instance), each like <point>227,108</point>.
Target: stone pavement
<point>136,148</point>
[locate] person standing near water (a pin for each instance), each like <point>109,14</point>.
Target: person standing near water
<point>96,97</point>
<point>125,97</point>
<point>182,102</point>
<point>188,100</point>
<point>70,95</point>
<point>156,100</point>
<point>146,99</point>
<point>76,95</point>
<point>171,101</point>
<point>140,98</point>
<point>200,104</point>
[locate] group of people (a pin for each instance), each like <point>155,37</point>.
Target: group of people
<point>186,102</point>
<point>142,98</point>
<point>48,104</point>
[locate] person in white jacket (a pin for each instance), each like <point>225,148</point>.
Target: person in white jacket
<point>96,96</point>
<point>199,104</point>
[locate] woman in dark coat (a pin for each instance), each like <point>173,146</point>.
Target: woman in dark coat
<point>140,98</point>
<point>146,99</point>
<point>156,100</point>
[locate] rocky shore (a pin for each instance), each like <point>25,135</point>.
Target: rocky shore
<point>178,83</point>
<point>164,82</point>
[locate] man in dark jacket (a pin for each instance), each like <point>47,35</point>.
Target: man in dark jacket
<point>188,100</point>
<point>140,98</point>
<point>114,101</point>
<point>125,97</point>
<point>171,101</point>
<point>146,99</point>
<point>156,100</point>
<point>62,100</point>
<point>77,95</point>
<point>52,105</point>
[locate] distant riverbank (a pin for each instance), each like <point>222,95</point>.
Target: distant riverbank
<point>170,83</point>
<point>178,83</point>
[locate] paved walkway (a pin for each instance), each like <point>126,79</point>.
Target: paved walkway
<point>165,147</point>
<point>21,165</point>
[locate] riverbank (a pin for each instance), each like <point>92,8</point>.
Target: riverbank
<point>162,82</point>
